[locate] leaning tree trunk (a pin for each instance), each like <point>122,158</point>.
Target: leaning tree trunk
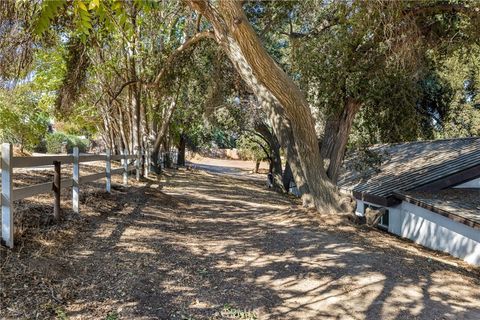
<point>283,131</point>
<point>243,47</point>
<point>334,142</point>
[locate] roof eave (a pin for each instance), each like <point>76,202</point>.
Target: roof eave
<point>387,201</point>
<point>451,180</point>
<point>452,216</point>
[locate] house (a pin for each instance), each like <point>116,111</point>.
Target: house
<point>430,191</point>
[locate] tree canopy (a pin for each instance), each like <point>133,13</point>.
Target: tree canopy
<point>309,80</point>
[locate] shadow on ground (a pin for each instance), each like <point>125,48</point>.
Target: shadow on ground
<point>203,246</point>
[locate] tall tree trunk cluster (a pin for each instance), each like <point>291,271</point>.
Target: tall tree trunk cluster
<point>282,100</point>
<point>335,138</point>
<point>291,124</point>
<point>126,122</point>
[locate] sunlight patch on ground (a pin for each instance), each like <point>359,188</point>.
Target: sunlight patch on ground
<point>345,298</point>
<point>233,200</point>
<point>104,231</point>
<point>137,248</point>
<point>456,292</point>
<point>404,298</point>
<point>84,253</point>
<point>79,309</point>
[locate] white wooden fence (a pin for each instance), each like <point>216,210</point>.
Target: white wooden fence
<point>9,194</point>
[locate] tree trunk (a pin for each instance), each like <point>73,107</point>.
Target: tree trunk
<point>123,135</point>
<point>334,142</point>
<point>276,167</point>
<point>135,107</point>
<point>108,127</point>
<point>162,132</point>
<point>275,159</point>
<point>287,176</point>
<point>181,151</point>
<point>270,83</point>
<point>135,94</point>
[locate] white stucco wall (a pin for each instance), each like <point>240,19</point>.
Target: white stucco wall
<point>360,209</point>
<point>395,219</point>
<point>439,233</point>
<point>432,230</point>
<point>475,183</point>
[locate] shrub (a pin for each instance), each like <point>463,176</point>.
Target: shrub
<point>74,141</point>
<point>55,141</point>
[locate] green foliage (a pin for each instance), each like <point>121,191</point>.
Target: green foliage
<point>407,71</point>
<point>365,161</point>
<point>21,121</point>
<point>461,72</point>
<point>55,142</point>
<point>373,52</point>
<point>112,316</point>
<point>49,10</point>
<point>231,311</point>
<point>60,314</point>
<point>251,147</point>
<point>389,112</point>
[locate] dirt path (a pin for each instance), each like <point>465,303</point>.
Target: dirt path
<point>237,168</point>
<point>207,246</point>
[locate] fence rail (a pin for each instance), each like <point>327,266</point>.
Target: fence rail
<point>9,194</point>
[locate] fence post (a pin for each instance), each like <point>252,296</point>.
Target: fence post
<point>7,194</point>
<point>137,165</point>
<point>56,189</point>
<point>108,170</point>
<point>125,168</point>
<point>76,181</point>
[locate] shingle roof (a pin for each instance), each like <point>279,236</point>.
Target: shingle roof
<point>407,166</point>
<point>463,203</point>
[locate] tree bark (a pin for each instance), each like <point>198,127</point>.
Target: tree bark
<point>162,132</point>
<point>337,131</point>
<point>135,87</point>
<point>269,82</point>
<point>287,176</point>
<point>121,127</point>
<point>181,151</point>
<point>275,159</point>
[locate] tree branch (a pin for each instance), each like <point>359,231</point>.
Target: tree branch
<point>123,86</point>
<point>325,25</point>
<point>186,45</point>
<point>199,20</point>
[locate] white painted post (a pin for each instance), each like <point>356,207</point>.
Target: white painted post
<point>76,181</point>
<point>108,170</point>
<point>137,165</point>
<point>125,167</point>
<point>7,194</point>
